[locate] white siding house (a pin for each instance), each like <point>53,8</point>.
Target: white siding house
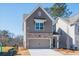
<point>68,28</point>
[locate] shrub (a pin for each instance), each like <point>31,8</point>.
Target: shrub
<point>12,52</point>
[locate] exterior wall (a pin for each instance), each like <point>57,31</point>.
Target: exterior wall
<point>29,28</point>
<point>72,35</point>
<point>66,31</point>
<point>61,25</point>
<point>61,28</point>
<point>77,35</point>
<point>37,36</point>
<point>62,43</point>
<point>54,28</point>
<point>31,24</point>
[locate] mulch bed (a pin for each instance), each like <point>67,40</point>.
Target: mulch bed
<point>23,52</point>
<point>68,52</point>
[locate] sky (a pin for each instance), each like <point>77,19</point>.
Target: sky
<point>11,15</point>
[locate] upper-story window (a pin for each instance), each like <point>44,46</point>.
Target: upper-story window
<point>39,26</point>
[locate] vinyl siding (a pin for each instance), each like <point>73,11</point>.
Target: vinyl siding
<point>66,31</point>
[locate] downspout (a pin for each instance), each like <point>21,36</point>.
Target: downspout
<point>51,40</point>
<point>67,37</point>
<point>74,38</point>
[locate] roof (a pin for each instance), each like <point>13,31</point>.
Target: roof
<point>43,10</point>
<point>25,15</point>
<point>64,19</point>
<point>71,20</point>
<point>74,19</point>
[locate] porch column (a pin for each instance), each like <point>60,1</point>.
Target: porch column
<point>50,42</point>
<point>24,39</point>
<point>57,41</point>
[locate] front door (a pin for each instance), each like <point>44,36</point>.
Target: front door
<point>54,43</point>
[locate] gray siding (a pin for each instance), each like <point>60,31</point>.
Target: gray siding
<point>77,35</point>
<point>62,42</point>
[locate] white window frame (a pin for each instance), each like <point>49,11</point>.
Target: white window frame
<point>39,26</point>
<point>39,21</point>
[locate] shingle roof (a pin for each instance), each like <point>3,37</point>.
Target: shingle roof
<point>74,19</point>
<point>71,20</point>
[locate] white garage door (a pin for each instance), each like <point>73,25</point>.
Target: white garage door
<point>39,43</point>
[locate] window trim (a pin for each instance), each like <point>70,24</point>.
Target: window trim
<point>39,26</point>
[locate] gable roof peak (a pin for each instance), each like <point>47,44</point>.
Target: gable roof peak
<point>39,6</point>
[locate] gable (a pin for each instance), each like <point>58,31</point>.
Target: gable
<point>39,13</point>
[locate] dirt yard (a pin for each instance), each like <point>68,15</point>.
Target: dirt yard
<point>23,52</point>
<point>68,52</point>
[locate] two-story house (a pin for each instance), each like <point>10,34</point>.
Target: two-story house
<point>38,30</point>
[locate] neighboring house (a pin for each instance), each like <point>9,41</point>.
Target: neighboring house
<point>68,28</point>
<point>38,30</point>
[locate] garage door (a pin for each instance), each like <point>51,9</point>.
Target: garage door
<point>39,43</point>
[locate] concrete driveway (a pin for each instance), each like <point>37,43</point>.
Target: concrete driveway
<point>44,52</point>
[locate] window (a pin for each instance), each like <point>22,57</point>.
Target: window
<point>39,26</point>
